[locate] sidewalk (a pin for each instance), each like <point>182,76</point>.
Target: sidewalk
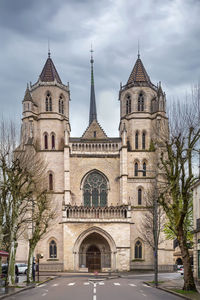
<point>5,292</point>
<point>177,284</point>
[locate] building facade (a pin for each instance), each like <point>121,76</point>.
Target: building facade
<point>196,220</point>
<point>98,183</point>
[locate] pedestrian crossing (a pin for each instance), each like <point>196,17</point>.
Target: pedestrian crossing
<point>101,283</point>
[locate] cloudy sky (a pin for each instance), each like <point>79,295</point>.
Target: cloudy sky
<point>168,31</point>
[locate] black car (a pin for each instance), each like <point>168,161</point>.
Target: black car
<point>5,270</point>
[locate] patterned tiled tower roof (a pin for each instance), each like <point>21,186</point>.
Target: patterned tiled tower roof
<point>27,96</point>
<point>49,72</point>
<point>139,74</point>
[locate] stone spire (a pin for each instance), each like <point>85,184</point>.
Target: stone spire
<point>27,96</point>
<point>93,110</point>
<point>49,72</point>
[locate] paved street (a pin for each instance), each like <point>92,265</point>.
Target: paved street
<point>76,287</point>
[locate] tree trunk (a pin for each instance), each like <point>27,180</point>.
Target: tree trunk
<point>11,263</point>
<point>30,263</point>
<point>189,284</point>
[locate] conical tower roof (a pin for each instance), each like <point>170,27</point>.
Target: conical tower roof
<point>49,72</point>
<point>139,74</point>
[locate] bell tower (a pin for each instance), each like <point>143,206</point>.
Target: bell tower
<point>142,108</point>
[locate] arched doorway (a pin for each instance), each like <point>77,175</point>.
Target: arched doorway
<point>93,259</point>
<point>95,253</point>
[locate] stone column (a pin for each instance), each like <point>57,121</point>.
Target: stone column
<point>67,191</point>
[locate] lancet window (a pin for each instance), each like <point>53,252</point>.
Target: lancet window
<point>136,140</point>
<point>141,102</point>
<point>138,250</point>
<point>128,104</point>
<point>48,102</point>
<point>95,190</point>
<point>61,105</point>
<point>52,249</point>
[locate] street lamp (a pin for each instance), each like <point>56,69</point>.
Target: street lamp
<point>155,225</point>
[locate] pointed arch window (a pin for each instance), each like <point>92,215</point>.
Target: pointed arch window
<point>95,190</point>
<point>61,105</point>
<point>139,196</point>
<point>52,249</point>
<point>136,140</point>
<point>45,141</point>
<point>143,140</point>
<point>48,102</point>
<point>136,169</point>
<point>138,250</point>
<point>144,169</point>
<point>128,104</point>
<point>53,141</point>
<point>50,181</point>
<point>141,102</point>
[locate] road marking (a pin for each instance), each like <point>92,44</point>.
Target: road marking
<point>116,283</point>
<point>144,295</point>
<point>101,283</point>
<point>86,283</point>
<point>44,294</point>
<point>131,284</point>
<point>146,285</point>
<point>94,291</point>
<point>42,285</point>
<point>72,283</point>
<point>94,297</point>
<point>55,284</point>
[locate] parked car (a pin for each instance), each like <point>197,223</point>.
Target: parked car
<point>5,270</point>
<point>22,268</point>
<point>180,269</point>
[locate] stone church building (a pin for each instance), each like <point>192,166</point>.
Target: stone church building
<point>98,183</point>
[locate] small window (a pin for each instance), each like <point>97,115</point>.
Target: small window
<point>95,134</point>
<point>138,250</point>
<point>136,169</point>
<point>48,102</point>
<point>52,249</point>
<point>136,140</point>
<point>53,141</point>
<point>139,196</point>
<point>143,140</point>
<point>61,105</point>
<point>51,182</point>
<point>141,102</point>
<point>46,141</point>
<point>128,104</point>
<point>144,169</point>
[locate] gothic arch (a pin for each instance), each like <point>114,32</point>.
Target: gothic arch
<point>141,101</point>
<point>105,235</point>
<point>91,171</point>
<point>138,239</point>
<point>95,190</point>
<point>98,230</point>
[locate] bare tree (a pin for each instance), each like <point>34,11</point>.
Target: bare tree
<point>177,168</point>
<point>42,215</point>
<point>21,173</point>
<point>147,228</point>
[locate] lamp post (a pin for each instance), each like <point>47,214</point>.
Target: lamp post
<point>155,224</point>
<point>33,261</point>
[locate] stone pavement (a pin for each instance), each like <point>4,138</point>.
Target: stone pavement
<point>178,284</point>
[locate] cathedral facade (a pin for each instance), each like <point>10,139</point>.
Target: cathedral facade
<point>98,183</point>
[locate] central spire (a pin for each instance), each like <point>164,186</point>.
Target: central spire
<point>93,111</point>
